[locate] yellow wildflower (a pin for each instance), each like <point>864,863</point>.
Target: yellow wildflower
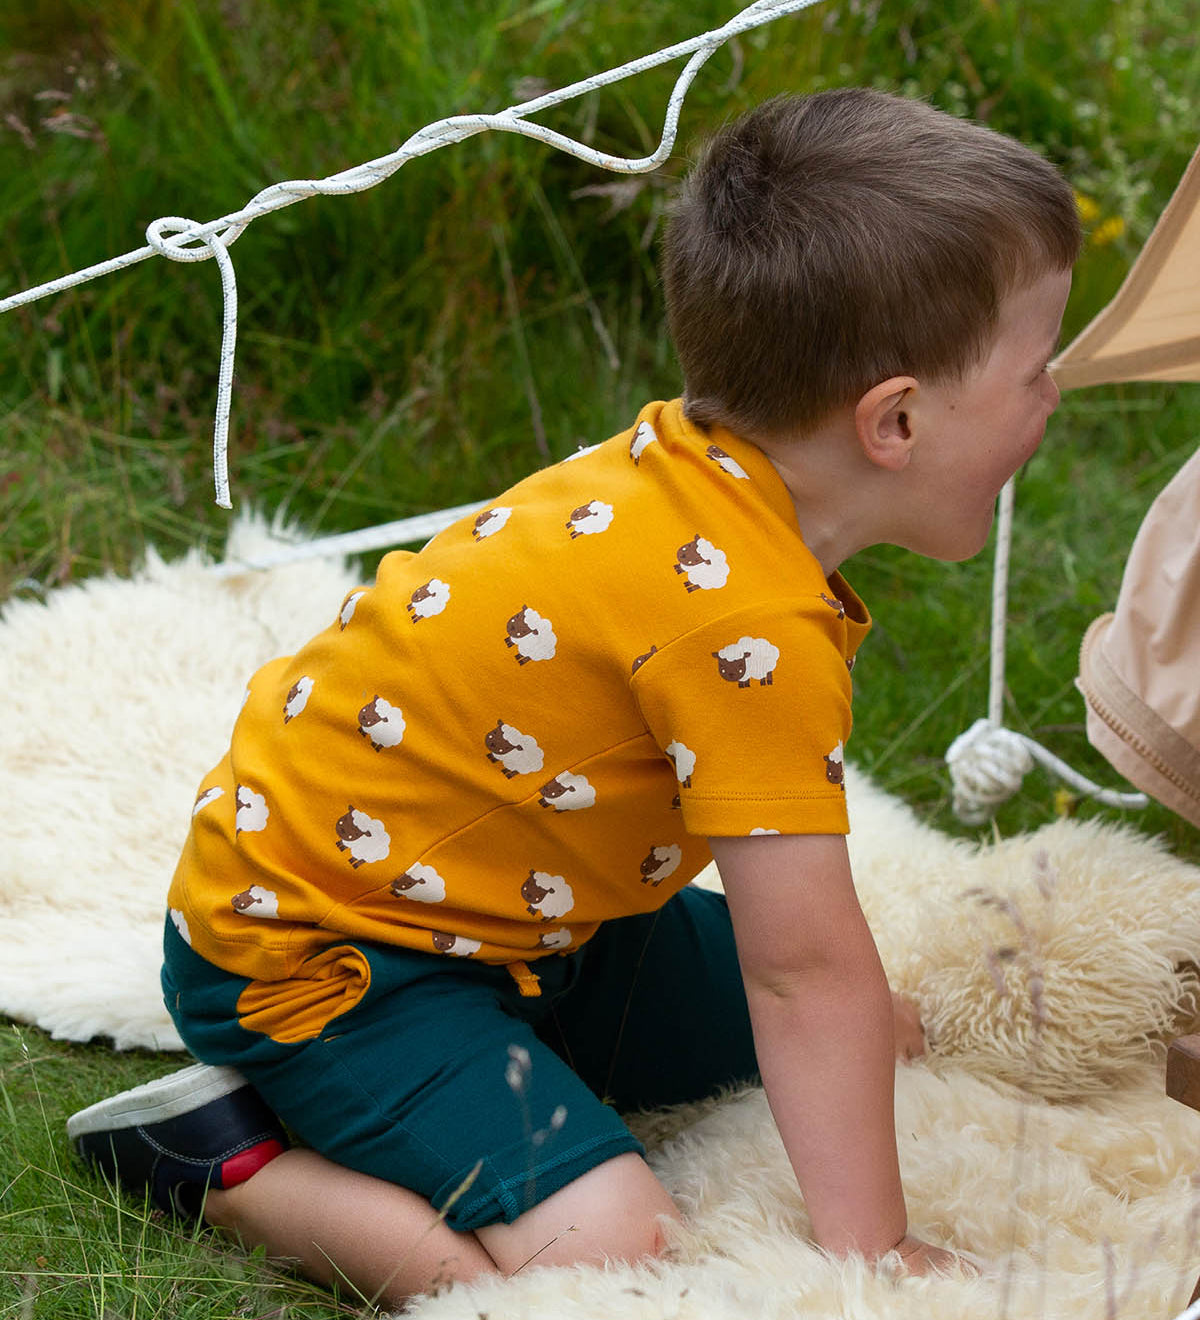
<point>1088,209</point>
<point>1065,802</point>
<point>1106,231</point>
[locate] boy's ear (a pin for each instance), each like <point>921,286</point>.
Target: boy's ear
<point>882,423</point>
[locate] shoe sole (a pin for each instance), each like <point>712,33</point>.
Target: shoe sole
<point>155,1102</point>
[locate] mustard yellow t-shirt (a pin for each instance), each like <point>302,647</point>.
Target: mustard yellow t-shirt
<point>532,724</point>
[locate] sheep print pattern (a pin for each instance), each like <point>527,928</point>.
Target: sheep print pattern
<point>534,723</point>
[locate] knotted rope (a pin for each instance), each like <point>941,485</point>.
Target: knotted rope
<point>180,239</point>
<point>988,762</point>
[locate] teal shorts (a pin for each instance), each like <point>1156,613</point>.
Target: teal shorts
<point>444,1079</point>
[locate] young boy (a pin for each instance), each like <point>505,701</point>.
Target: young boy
<point>433,907</point>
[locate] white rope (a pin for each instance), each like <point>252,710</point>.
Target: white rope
<point>179,239</point>
<point>158,233</point>
<point>404,532</point>
<point>988,763</point>
<point>1003,553</point>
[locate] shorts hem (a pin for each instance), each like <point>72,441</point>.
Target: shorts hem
<point>502,1202</point>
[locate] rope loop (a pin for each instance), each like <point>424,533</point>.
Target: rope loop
<point>988,764</point>
<point>173,237</point>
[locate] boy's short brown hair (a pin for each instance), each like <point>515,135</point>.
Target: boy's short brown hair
<point>825,243</point>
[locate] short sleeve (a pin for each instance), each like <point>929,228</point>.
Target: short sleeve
<point>753,709</point>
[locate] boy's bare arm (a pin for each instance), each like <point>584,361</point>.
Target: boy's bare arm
<point>822,1016</point>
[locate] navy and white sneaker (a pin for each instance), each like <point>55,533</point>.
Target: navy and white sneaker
<point>178,1136</point>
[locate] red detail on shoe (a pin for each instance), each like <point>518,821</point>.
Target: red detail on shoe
<point>246,1163</point>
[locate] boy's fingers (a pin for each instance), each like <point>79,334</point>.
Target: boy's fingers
<point>921,1258</point>
<point>909,1031</point>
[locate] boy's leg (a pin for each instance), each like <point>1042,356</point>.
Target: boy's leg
<point>338,1226</point>
<point>435,1083</point>
<point>206,1127</point>
<point>613,1212</point>
<point>388,1243</point>
<point>548,1173</point>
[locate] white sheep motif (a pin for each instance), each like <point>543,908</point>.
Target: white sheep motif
<point>429,599</point>
<point>421,883</point>
<point>490,521</point>
<point>579,453</point>
<point>459,945</point>
<point>554,939</point>
<point>516,753</point>
<point>348,608</point>
<point>660,862</point>
<point>181,925</point>
<point>531,635</point>
<point>760,830</point>
<point>547,896</point>
<point>590,518</point>
<point>362,836</point>
<point>642,438</point>
<point>297,698</point>
<point>725,462</point>
<point>381,723</point>
<point>568,792</point>
<point>685,761</point>
<point>746,659</point>
<point>705,567</point>
<point>209,795</point>
<point>257,902</point>
<point>252,811</point>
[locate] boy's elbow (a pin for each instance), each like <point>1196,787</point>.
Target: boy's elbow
<point>812,975</point>
<point>783,982</point>
<point>800,957</point>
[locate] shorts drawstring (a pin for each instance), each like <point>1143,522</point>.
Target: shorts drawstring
<point>526,979</point>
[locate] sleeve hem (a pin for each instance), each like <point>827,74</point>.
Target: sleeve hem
<point>795,814</point>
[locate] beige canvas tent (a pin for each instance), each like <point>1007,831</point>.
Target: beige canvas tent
<point>1151,329</point>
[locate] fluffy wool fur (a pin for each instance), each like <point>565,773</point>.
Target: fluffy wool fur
<point>1050,969</point>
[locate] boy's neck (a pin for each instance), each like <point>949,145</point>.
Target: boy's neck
<point>835,491</point>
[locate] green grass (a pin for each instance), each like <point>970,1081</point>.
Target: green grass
<point>71,1246</point>
<point>428,342</point>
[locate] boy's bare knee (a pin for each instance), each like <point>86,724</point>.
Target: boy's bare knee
<point>614,1212</point>
<point>336,1224</point>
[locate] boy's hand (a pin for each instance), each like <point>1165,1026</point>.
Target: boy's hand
<point>906,1024</point>
<point>917,1257</point>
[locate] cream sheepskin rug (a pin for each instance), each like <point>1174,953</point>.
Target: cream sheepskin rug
<point>1050,970</point>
